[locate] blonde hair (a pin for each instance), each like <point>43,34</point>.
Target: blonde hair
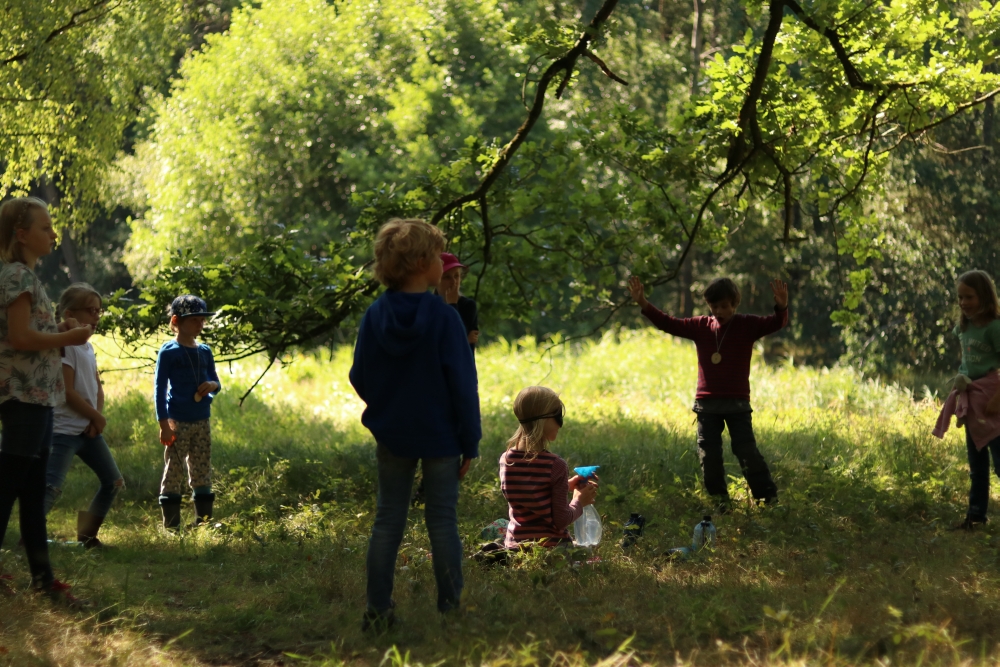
<point>530,404</point>
<point>77,295</point>
<point>16,214</point>
<point>403,247</point>
<point>982,284</point>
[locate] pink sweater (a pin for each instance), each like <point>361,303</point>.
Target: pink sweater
<point>970,405</point>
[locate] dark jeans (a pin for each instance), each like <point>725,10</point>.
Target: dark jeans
<point>96,454</point>
<point>24,453</point>
<point>979,475</point>
<point>744,446</point>
<point>395,481</point>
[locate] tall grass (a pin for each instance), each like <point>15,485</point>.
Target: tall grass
<point>855,564</point>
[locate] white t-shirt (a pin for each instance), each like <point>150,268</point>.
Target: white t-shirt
<point>83,361</point>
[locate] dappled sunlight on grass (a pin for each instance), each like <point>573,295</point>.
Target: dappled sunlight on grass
<point>855,564</point>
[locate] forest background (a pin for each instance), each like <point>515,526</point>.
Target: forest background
<point>248,151</point>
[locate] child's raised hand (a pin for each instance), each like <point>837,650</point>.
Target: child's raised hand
<point>780,290</point>
<point>638,291</point>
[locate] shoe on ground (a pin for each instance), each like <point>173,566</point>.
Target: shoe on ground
<point>7,585</point>
<point>971,523</point>
<point>59,593</point>
<point>724,506</point>
<point>378,622</point>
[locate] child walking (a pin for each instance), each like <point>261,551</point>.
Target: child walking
<point>185,384</point>
<point>976,397</point>
<point>415,372</point>
<point>725,344</point>
<point>534,480</point>
<point>31,380</point>
<point>79,422</point>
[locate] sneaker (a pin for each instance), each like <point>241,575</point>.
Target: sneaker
<point>378,622</point>
<point>970,522</point>
<point>7,584</point>
<point>59,592</point>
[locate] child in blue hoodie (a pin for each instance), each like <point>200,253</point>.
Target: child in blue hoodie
<point>414,370</point>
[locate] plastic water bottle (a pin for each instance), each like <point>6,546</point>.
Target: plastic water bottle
<point>633,529</point>
<point>704,534</point>
<point>588,528</point>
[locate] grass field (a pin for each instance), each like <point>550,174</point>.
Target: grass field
<point>856,564</point>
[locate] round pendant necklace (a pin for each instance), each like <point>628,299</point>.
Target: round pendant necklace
<point>197,374</point>
<point>717,357</point>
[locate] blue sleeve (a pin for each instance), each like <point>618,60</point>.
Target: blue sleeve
<point>357,374</point>
<point>160,381</point>
<point>210,365</point>
<point>463,383</point>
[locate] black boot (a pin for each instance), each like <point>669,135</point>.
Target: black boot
<point>171,508</point>
<point>203,507</point>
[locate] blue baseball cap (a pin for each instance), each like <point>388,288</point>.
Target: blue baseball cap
<point>189,305</point>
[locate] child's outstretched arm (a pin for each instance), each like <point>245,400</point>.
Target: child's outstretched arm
<point>780,290</point>
<point>684,328</point>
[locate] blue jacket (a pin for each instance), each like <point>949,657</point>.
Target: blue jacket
<point>179,372</point>
<point>414,370</point>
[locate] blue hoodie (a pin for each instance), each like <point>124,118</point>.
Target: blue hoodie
<point>414,370</point>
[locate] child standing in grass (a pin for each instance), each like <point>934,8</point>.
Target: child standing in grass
<point>450,290</point>
<point>79,421</point>
<point>976,398</point>
<point>31,380</point>
<point>185,384</point>
<point>415,372</point>
<point>534,480</point>
<point>725,344</point>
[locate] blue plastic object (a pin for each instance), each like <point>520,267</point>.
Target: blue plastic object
<point>586,471</point>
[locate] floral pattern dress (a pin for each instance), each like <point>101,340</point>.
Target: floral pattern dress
<point>28,376</point>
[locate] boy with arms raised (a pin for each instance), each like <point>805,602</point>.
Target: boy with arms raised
<point>725,344</point>
<point>414,370</point>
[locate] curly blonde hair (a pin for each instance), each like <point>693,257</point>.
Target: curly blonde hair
<point>531,404</point>
<point>403,248</point>
<point>15,214</point>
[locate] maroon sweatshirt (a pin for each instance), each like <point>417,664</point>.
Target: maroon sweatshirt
<point>733,341</point>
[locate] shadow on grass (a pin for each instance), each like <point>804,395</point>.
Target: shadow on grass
<point>854,558</point>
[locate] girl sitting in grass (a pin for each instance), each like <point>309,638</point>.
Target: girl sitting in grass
<point>533,479</point>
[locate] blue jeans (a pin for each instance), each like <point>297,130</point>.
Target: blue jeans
<point>395,482</point>
<point>979,474</point>
<point>95,453</point>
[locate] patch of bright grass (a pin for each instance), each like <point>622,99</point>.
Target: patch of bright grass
<point>855,565</point>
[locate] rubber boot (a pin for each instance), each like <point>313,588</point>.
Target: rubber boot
<point>171,508</point>
<point>203,507</point>
<point>87,525</point>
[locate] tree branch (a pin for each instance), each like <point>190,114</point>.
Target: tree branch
<point>72,23</point>
<point>565,63</point>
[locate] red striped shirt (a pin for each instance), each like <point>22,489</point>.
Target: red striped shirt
<point>730,378</point>
<point>536,490</point>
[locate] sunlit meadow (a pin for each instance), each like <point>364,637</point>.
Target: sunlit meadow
<point>855,565</point>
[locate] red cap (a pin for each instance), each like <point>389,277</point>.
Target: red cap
<point>450,262</point>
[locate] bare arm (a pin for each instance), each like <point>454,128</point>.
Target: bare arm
<point>22,337</point>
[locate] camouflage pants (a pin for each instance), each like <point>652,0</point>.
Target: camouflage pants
<point>193,448</point>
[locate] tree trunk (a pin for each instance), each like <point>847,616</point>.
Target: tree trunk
<point>686,305</point>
